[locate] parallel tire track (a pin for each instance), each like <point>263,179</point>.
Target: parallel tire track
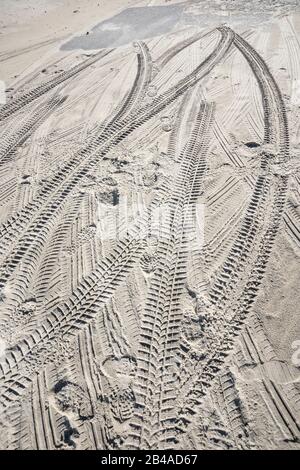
<point>45,209</point>
<point>170,53</point>
<point>237,281</point>
<point>66,320</point>
<point>28,126</point>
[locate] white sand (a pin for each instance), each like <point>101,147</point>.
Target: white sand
<point>126,320</point>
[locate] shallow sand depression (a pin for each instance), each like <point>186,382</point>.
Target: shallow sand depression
<point>149,225</point>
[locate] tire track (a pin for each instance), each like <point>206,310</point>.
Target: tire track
<point>160,324</point>
<point>282,402</point>
<point>236,283</point>
<point>292,222</point>
<point>66,320</point>
<point>11,54</point>
<point>39,228</point>
<point>275,119</point>
<point>112,133</point>
<point>161,61</point>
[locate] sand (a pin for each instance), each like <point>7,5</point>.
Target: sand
<point>149,225</point>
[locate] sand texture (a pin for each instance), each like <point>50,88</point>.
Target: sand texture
<point>149,225</point>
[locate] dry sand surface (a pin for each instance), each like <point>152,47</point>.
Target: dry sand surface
<point>149,224</point>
